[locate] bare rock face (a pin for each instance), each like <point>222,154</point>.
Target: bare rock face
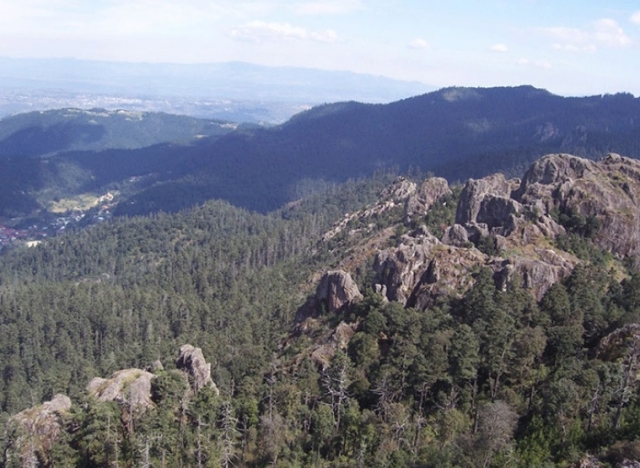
<point>192,361</point>
<point>399,270</point>
<point>487,199</point>
<point>456,235</point>
<point>336,292</point>
<point>32,432</point>
<point>520,218</point>
<point>422,269</point>
<point>415,199</point>
<point>517,216</point>
<point>606,190</point>
<point>130,387</point>
<point>418,203</point>
<point>399,190</point>
<point>540,271</point>
<point>391,197</point>
<point>553,170</point>
<point>447,275</point>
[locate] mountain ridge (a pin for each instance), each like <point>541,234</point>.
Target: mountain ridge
<point>455,133</point>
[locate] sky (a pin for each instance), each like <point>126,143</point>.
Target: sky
<point>569,47</point>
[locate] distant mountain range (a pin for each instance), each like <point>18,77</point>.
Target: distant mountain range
<point>454,132</point>
<point>231,90</point>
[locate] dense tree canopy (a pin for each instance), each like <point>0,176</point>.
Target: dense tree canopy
<point>492,378</point>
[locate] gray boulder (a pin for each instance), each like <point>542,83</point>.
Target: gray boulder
<point>31,434</point>
<point>335,293</point>
<point>191,360</point>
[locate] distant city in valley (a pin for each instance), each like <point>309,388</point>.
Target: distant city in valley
<point>236,91</point>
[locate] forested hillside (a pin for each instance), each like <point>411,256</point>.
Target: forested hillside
<point>99,143</point>
<point>371,324</point>
<point>49,132</point>
<point>455,133</point>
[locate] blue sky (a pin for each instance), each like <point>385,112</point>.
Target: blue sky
<point>569,47</point>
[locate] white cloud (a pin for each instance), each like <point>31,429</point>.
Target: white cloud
<point>418,43</point>
<point>635,18</point>
<point>575,48</point>
<point>534,63</point>
<point>327,7</point>
<point>603,32</point>
<point>608,32</point>
<point>30,15</point>
<point>499,48</point>
<point>148,16</point>
<point>328,35</point>
<point>74,18</point>
<point>258,31</point>
<point>566,34</point>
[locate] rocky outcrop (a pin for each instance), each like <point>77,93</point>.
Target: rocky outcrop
<point>606,191</point>
<point>32,432</point>
<point>128,387</point>
<point>514,222</point>
<point>551,171</point>
<point>447,275</point>
<point>391,197</point>
<point>398,270</point>
<point>422,269</point>
<point>456,235</point>
<point>191,361</point>
<point>336,292</point>
<point>418,203</point>
<point>415,199</point>
<point>487,201</point>
<point>538,270</point>
<point>327,346</point>
<point>518,217</point>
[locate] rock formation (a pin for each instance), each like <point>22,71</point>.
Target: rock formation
<point>487,201</point>
<point>422,269</point>
<point>521,218</point>
<point>415,199</point>
<point>393,196</point>
<point>399,269</point>
<point>421,199</point>
<point>192,361</point>
<point>607,191</point>
<point>336,292</point>
<point>517,219</point>
<point>128,387</point>
<point>32,432</point>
